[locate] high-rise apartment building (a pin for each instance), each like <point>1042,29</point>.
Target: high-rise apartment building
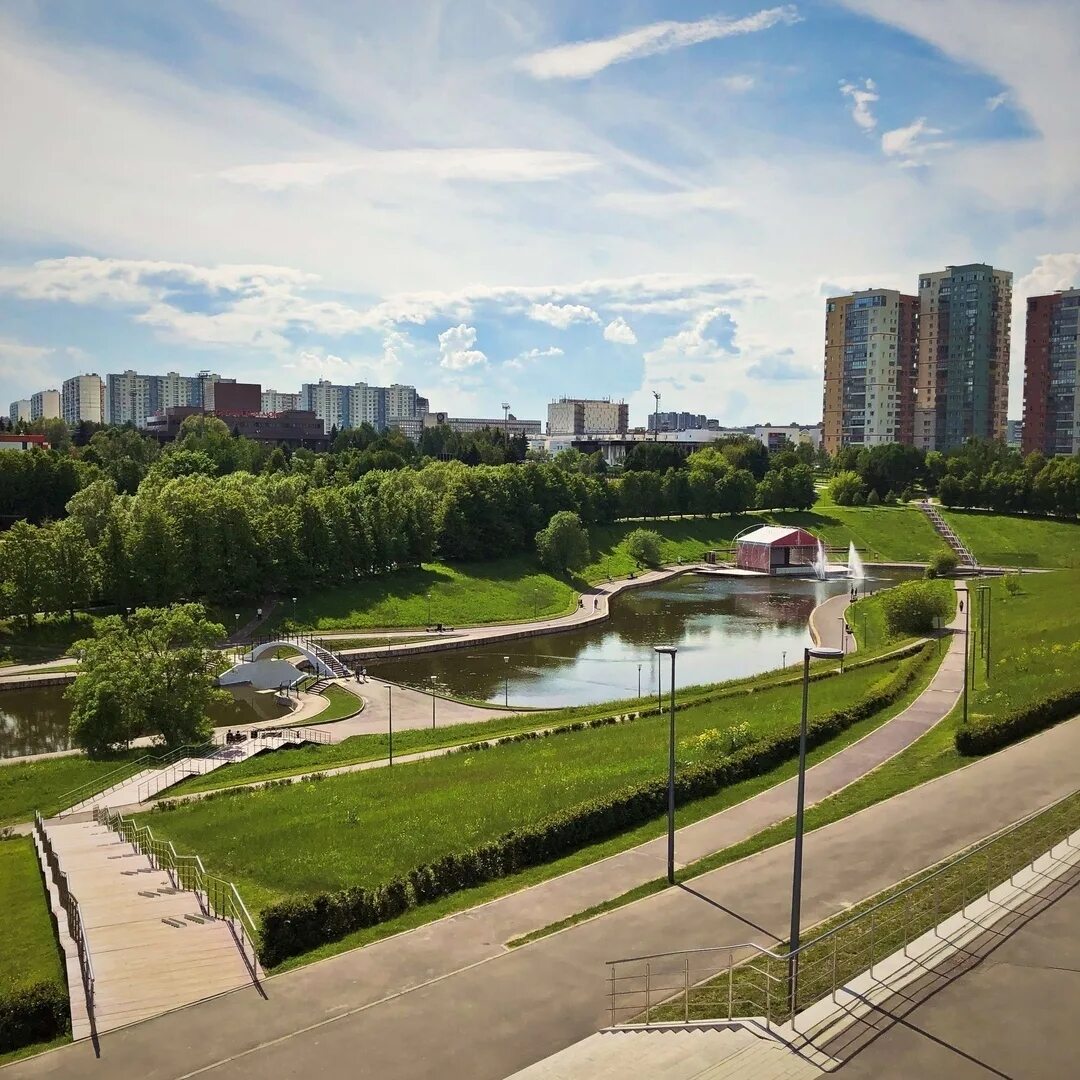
<point>131,397</point>
<point>19,410</point>
<point>587,416</point>
<point>273,401</point>
<point>83,398</point>
<point>45,405</point>
<point>1051,381</point>
<point>871,340</point>
<point>350,406</point>
<point>962,377</point>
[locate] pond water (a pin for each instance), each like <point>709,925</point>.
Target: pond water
<point>36,721</point>
<point>724,628</point>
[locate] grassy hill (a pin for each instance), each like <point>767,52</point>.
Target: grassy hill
<point>1017,540</point>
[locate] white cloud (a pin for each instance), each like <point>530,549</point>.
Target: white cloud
<point>862,97</point>
<point>562,315</point>
<point>620,332</point>
<point>911,144</point>
<point>782,367</point>
<point>994,103</point>
<point>665,203</point>
<point>738,84</point>
<point>456,352</point>
<point>531,356</point>
<point>580,60</point>
<point>506,165</point>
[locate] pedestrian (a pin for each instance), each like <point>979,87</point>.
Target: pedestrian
<point>596,602</point>
<point>363,671</point>
<point>961,607</point>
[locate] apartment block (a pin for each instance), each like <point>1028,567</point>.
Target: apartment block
<point>962,375</point>
<point>45,405</point>
<point>1051,383</point>
<point>273,401</point>
<point>19,410</point>
<point>587,416</point>
<point>871,341</point>
<point>83,398</point>
<point>350,406</point>
<point>132,398</point>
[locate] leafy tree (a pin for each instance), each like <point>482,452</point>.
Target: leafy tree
<point>942,563</point>
<point>653,457</point>
<point>92,506</point>
<point>643,546</point>
<point>844,487</point>
<point>913,607</point>
<point>72,567</point>
<point>563,544</point>
<point>153,674</point>
<point>23,562</point>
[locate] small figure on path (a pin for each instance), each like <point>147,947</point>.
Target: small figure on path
<point>595,603</point>
<point>961,607</point>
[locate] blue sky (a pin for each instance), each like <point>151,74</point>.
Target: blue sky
<point>509,201</point>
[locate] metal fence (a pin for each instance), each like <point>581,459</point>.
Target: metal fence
<point>217,898</point>
<point>749,980</point>
<point>71,908</point>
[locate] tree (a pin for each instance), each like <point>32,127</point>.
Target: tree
<point>913,607</point>
<point>942,563</point>
<point>844,487</point>
<point>653,457</point>
<point>23,559</point>
<point>72,567</point>
<point>153,674</point>
<point>643,546</point>
<point>563,544</point>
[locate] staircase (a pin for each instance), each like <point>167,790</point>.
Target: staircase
<point>944,530</point>
<point>152,944</point>
<point>331,660</point>
<point>701,1052</point>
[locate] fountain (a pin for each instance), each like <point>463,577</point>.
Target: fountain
<point>855,568</point>
<point>821,568</point>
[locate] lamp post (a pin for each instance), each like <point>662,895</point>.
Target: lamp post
<point>966,602</point>
<point>984,625</point>
<point>639,682</point>
<point>800,801</point>
<point>670,650</point>
<point>390,719</point>
<point>843,642</point>
<point>783,660</point>
<point>432,702</point>
<point>506,682</point>
<point>429,607</point>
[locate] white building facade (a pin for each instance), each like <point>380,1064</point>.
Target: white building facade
<point>82,397</point>
<point>45,405</point>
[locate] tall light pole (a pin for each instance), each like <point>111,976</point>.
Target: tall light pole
<point>670,650</point>
<point>390,719</point>
<point>843,642</point>
<point>506,682</point>
<point>984,625</point>
<point>429,607</point>
<point>656,417</point>
<point>967,645</point>
<point>432,702</point>
<point>639,682</point>
<point>506,415</point>
<point>800,802</point>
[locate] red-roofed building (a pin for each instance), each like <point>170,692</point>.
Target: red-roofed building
<point>9,441</point>
<point>776,549</point>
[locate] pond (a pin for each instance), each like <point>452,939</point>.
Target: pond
<point>36,721</point>
<point>724,628</point>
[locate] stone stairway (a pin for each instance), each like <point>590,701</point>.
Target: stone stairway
<point>944,530</point>
<point>151,945</point>
<point>694,1052</point>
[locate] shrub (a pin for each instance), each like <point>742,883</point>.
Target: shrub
<point>844,487</point>
<point>563,544</point>
<point>644,547</point>
<point>984,734</point>
<point>296,925</point>
<point>873,499</point>
<point>942,563</point>
<point>913,607</point>
<point>907,495</point>
<point>32,1014</point>
<point>1012,584</point>
<point>858,499</point>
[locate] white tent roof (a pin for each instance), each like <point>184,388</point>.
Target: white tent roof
<point>767,534</point>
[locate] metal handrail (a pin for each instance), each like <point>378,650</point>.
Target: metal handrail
<point>772,978</point>
<point>216,897</point>
<point>70,904</point>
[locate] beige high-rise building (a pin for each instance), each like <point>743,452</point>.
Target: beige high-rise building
<point>83,398</point>
<point>45,405</point>
<point>962,376</point>
<point>587,416</point>
<point>871,339</point>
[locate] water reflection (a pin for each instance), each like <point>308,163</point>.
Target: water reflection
<point>724,628</point>
<point>36,721</point>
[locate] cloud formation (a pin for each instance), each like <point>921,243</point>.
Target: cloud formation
<point>583,59</point>
<point>782,367</point>
<point>862,97</point>
<point>911,144</point>
<point>620,332</point>
<point>562,315</point>
<point>456,352</point>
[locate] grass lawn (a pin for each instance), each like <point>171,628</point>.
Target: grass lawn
<point>50,638</point>
<point>866,617</point>
<point>342,704</point>
<point>1016,540</point>
<point>1034,641</point>
<point>38,785</point>
<point>29,955</point>
<point>381,823</point>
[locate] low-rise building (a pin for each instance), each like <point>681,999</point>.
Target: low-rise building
<point>296,428</point>
<point>9,441</point>
<point>464,424</point>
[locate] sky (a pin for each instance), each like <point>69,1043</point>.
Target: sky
<point>504,200</point>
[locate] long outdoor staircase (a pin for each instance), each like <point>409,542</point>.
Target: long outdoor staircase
<point>145,930</point>
<point>944,530</point>
<point>141,780</point>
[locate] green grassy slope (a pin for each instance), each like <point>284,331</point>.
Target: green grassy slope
<point>1009,540</point>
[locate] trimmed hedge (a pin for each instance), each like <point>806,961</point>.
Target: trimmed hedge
<point>33,1014</point>
<point>299,924</point>
<point>985,734</point>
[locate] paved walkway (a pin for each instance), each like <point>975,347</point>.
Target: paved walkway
<point>448,999</point>
<point>828,624</point>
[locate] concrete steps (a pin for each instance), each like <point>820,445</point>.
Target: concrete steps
<point>151,947</point>
<point>684,1052</point>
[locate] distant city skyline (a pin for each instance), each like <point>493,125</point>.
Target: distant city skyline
<point>548,199</point>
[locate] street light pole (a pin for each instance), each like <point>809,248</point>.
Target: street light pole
<point>432,702</point>
<point>670,650</point>
<point>967,643</point>
<point>800,802</point>
<point>843,642</point>
<point>506,682</point>
<point>639,682</point>
<point>984,625</point>
<point>390,719</point>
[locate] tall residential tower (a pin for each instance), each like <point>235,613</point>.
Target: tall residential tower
<point>1051,381</point>
<point>871,339</point>
<point>962,379</point>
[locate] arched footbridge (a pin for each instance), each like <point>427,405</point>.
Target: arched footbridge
<point>325,663</point>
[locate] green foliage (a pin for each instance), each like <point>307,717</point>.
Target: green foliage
<point>784,488</point>
<point>152,674</point>
<point>844,487</point>
<point>985,734</point>
<point>915,606</point>
<point>298,924</point>
<point>1012,540</point>
<point>643,546</point>
<point>36,484</point>
<point>942,563</point>
<point>1012,584</point>
<point>873,498</point>
<point>33,997</point>
<point>563,544</point>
